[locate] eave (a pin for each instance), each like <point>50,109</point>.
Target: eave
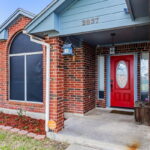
<point>8,22</point>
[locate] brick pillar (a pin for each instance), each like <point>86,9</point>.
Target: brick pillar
<point>56,82</point>
<point>89,77</point>
<point>3,71</point>
<point>79,94</point>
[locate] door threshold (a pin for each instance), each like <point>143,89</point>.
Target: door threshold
<point>114,108</point>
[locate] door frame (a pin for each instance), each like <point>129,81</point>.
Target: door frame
<point>108,71</point>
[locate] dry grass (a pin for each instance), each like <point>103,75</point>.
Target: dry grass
<point>12,141</point>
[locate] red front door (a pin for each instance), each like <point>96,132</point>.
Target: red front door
<point>122,81</point>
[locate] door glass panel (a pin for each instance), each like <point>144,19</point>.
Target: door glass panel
<point>122,74</point>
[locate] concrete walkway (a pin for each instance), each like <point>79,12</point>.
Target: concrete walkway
<point>105,131</point>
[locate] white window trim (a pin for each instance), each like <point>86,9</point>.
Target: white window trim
<point>22,54</point>
<point>25,77</point>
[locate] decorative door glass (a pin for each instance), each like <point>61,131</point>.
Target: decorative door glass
<point>122,74</point>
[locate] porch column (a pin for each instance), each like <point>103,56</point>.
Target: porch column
<point>80,79</point>
<point>56,82</point>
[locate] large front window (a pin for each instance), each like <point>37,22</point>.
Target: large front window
<point>25,70</point>
<point>145,76</point>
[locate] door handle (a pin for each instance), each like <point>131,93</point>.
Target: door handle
<point>111,84</point>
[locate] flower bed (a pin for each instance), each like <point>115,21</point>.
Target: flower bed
<point>23,123</point>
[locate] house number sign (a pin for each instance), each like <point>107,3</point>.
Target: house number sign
<point>90,21</point>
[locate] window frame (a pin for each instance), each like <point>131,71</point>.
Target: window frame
<point>25,76</point>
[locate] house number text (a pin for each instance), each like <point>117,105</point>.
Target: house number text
<point>90,21</point>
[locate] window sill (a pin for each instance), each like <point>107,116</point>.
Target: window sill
<point>26,103</point>
<point>101,99</point>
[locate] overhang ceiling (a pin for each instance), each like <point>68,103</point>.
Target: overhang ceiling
<point>138,8</point>
<point>126,35</point>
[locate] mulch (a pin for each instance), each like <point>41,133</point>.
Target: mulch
<point>23,123</point>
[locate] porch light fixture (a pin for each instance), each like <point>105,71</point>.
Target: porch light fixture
<point>112,48</point>
<point>68,48</point>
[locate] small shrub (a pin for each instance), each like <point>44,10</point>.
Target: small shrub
<point>20,113</point>
<point>16,119</point>
<point>1,121</point>
<point>37,129</point>
<point>25,127</point>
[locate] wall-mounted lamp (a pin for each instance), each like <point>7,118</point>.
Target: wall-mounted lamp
<point>112,49</point>
<point>68,47</point>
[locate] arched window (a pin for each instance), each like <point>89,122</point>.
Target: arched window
<point>26,73</point>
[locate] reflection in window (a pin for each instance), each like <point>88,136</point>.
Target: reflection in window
<point>145,76</point>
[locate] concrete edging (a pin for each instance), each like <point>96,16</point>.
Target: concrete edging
<point>34,115</point>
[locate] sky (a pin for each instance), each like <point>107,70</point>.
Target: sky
<point>7,7</point>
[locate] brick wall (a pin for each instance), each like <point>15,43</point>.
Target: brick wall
<point>79,81</point>
<point>124,49</point>
<point>16,27</point>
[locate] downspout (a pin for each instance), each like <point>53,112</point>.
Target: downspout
<point>47,103</point>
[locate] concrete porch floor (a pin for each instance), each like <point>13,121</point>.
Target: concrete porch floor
<point>105,131</point>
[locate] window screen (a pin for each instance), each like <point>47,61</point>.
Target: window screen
<point>34,78</point>
<point>17,78</point>
<point>26,83</point>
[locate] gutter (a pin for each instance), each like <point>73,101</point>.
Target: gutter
<point>47,103</point>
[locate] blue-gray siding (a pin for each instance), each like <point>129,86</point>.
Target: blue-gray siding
<point>66,17</point>
<point>109,12</point>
